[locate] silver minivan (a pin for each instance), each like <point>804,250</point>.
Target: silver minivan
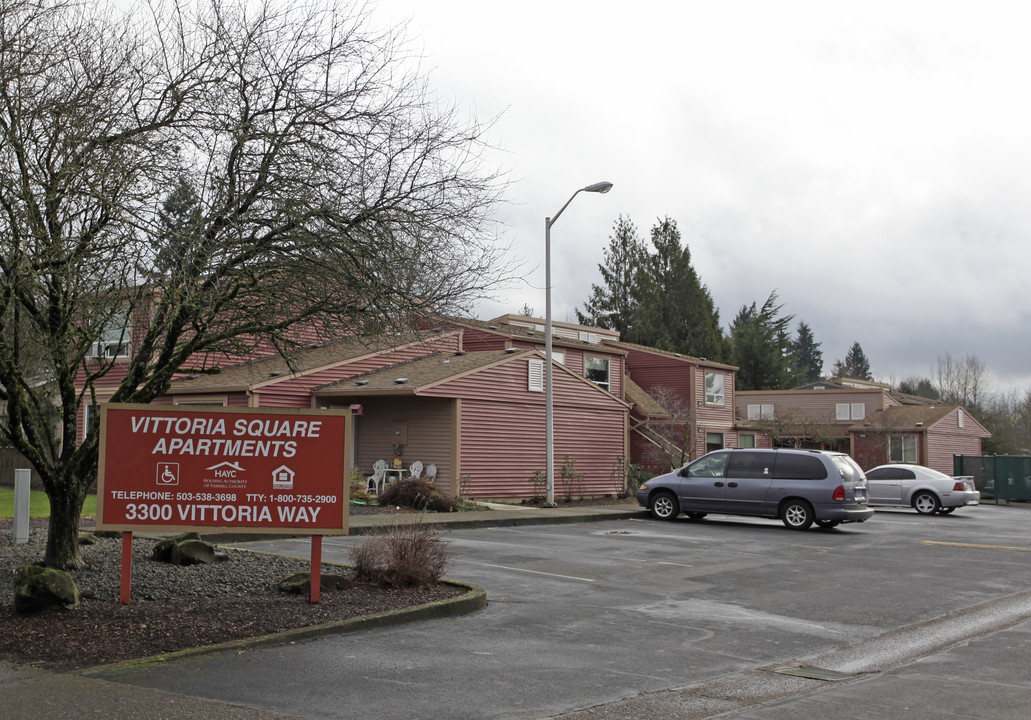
<point>798,486</point>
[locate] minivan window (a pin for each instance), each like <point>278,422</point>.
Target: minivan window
<point>798,467</point>
<point>708,466</point>
<point>850,472</point>
<point>750,465</point>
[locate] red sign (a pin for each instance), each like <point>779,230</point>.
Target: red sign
<point>246,470</point>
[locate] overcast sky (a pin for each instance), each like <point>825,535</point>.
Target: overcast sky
<point>870,161</point>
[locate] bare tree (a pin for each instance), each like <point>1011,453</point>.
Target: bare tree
<point>964,382</point>
<point>202,177</point>
<point>672,434</point>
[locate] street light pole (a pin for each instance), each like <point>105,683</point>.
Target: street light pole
<point>549,400</point>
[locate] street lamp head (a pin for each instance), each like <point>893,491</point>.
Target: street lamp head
<point>599,187</point>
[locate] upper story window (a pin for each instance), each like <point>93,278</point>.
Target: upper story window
<point>714,388</point>
<point>114,338</point>
<point>596,369</point>
<point>763,411</point>
<point>849,411</point>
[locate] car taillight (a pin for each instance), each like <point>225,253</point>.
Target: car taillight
<point>959,487</point>
<point>839,494</point>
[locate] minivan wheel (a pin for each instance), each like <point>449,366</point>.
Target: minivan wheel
<point>797,514</point>
<point>665,506</point>
<point>926,503</point>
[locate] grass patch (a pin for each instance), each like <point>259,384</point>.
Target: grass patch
<point>39,504</point>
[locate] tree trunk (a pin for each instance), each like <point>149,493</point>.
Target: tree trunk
<point>63,533</point>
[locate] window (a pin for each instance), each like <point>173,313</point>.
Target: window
<point>535,375</point>
<point>746,440</point>
<point>750,465</point>
<point>712,466</point>
<point>92,416</point>
<point>114,338</point>
<point>713,441</point>
<point>713,388</point>
<point>792,466</point>
<point>849,411</point>
<point>902,449</point>
<point>760,412</point>
<point>559,356</point>
<point>596,369</point>
<point>959,417</point>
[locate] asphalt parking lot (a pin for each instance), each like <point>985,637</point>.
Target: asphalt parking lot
<point>588,616</point>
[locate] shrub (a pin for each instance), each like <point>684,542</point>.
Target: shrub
<point>539,483</point>
<point>403,556</point>
<point>572,481</point>
<point>416,495</point>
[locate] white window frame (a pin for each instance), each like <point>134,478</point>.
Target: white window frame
<point>959,417</point>
<point>850,411</point>
<point>902,449</point>
<point>715,396</point>
<point>603,384</point>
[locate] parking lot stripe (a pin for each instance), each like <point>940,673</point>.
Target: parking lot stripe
<point>975,545</point>
<point>523,570</point>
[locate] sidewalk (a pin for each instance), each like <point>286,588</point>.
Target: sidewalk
<point>29,693</point>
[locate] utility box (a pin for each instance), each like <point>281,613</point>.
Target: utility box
<point>22,490</point>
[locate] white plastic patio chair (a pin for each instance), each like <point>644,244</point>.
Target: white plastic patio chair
<point>415,469</point>
<point>379,476</point>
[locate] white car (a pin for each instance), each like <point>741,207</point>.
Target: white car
<point>925,490</point>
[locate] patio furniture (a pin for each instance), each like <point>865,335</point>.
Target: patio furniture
<point>379,476</point>
<point>415,469</point>
<point>431,473</point>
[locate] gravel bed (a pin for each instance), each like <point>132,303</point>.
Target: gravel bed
<point>172,608</point>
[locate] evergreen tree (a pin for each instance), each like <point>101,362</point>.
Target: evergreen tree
<point>855,364</point>
<point>612,304</point>
<point>807,363</point>
<point>761,346</point>
<point>675,311</point>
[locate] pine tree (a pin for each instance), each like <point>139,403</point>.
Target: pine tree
<point>761,346</point>
<point>808,358</point>
<point>675,311</point>
<point>855,365</point>
<point>612,304</point>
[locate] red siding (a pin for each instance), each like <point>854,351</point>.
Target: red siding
<point>503,431</point>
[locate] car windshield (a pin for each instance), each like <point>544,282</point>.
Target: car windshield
<point>850,472</point>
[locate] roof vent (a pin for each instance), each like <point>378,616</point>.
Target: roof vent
<point>400,381</point>
<point>275,373</point>
<point>459,353</point>
<point>361,382</point>
<point>511,350</point>
<point>919,424</point>
<point>492,327</point>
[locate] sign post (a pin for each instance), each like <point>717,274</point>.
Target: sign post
<point>254,470</point>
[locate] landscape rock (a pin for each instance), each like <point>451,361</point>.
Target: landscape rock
<point>37,589</point>
<point>162,551</point>
<point>192,552</point>
<point>300,583</point>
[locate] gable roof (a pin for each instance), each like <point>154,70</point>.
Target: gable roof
<point>412,376</point>
<point>527,329</point>
<point>257,373</point>
<point>689,359</point>
<point>914,418</point>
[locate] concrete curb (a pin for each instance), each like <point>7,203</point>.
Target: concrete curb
<point>474,599</point>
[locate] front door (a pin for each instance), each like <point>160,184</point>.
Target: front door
<point>704,487</point>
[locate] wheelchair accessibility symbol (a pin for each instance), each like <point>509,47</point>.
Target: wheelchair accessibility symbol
<point>168,474</point>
